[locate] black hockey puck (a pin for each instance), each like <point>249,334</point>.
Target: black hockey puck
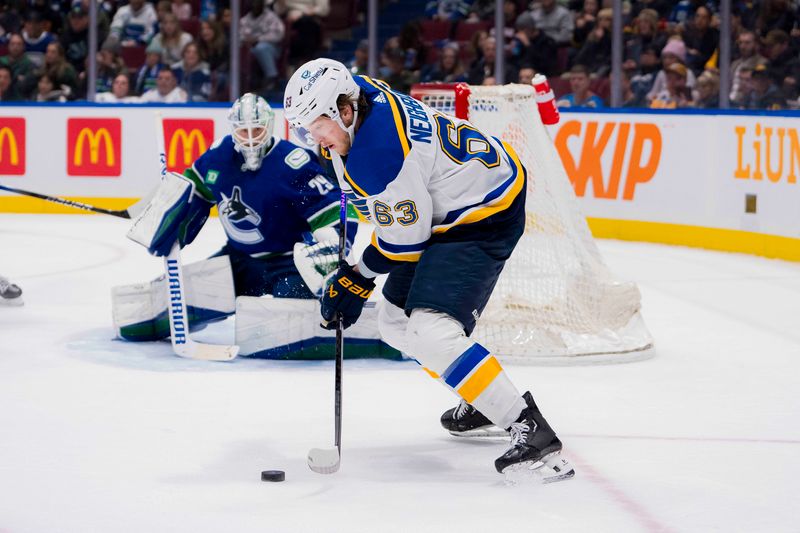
<point>273,475</point>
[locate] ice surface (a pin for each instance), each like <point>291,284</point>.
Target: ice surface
<point>104,436</point>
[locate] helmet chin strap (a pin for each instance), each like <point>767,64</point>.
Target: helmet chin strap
<point>351,130</point>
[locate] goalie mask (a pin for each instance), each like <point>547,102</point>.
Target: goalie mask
<point>312,92</point>
<point>252,121</point>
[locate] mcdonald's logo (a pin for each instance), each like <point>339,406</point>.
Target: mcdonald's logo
<point>186,140</point>
<point>12,146</point>
<point>94,147</point>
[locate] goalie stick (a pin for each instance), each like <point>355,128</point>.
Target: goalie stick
<point>328,460</point>
<point>182,344</point>
<point>131,212</point>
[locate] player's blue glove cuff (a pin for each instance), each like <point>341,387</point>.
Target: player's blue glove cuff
<point>346,294</point>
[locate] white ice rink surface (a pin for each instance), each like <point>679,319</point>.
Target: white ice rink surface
<point>98,435</point>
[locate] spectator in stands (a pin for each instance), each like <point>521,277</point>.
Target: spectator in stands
<point>701,39</point>
<point>749,58</point>
<point>163,8</point>
<point>662,7</point>
<point>109,64</point>
<point>584,22</point>
<point>784,65</point>
<point>765,94</point>
<point>475,47</point>
<point>707,96</point>
<point>629,97</point>
<point>36,38</point>
<point>451,10</point>
<point>193,74</point>
<point>360,61</point>
<point>119,94</point>
<point>643,77</point>
<point>596,53</point>
<point>47,91</point>
<point>484,68</point>
<point>555,21</point>
<point>133,24</point>
<point>17,61</point>
<point>171,39</point>
<point>775,15</point>
<point>148,73</point>
<point>673,52</point>
<point>167,90</point>
<point>532,47</point>
<point>745,89</point>
<point>580,96</point>
<point>51,19</point>
<point>11,17</point>
<point>305,19</point>
<point>526,74</point>
<point>58,69</point>
<point>676,94</point>
<point>410,41</point>
<point>398,76</point>
<point>215,50</point>
<point>7,93</point>
<point>182,9</point>
<point>448,69</point>
<point>645,34</point>
<point>263,31</point>
<point>75,37</point>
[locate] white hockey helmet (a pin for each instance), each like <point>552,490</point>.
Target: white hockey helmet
<point>252,121</point>
<point>312,92</point>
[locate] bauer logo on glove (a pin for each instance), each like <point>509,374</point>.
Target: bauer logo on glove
<point>346,294</point>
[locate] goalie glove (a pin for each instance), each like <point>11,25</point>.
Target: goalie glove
<point>346,293</point>
<point>174,213</point>
<point>316,262</point>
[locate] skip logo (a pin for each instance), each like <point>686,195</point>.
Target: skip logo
<point>239,219</point>
<point>179,321</point>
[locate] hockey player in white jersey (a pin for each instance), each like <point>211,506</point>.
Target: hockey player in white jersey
<point>448,206</point>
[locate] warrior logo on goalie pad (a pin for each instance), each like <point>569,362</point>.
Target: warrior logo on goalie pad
<point>233,213</point>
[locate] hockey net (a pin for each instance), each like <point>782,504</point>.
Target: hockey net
<point>556,301</point>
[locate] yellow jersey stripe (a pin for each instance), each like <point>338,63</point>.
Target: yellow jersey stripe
<point>431,373</point>
<point>353,184</point>
<point>480,379</point>
<point>411,257</point>
<point>398,122</point>
<point>501,204</point>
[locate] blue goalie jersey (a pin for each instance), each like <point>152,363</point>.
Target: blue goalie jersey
<point>266,211</point>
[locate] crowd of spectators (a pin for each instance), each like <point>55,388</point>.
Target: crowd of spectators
<point>178,50</point>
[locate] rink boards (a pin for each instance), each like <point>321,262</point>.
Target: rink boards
<point>725,181</point>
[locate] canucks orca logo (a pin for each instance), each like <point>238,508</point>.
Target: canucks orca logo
<point>239,219</point>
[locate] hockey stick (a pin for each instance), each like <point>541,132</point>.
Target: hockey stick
<point>130,212</point>
<point>182,344</point>
<point>327,460</point>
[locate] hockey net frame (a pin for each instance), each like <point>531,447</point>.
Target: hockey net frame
<point>556,301</point>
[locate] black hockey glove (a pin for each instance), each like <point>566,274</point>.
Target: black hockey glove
<point>346,293</point>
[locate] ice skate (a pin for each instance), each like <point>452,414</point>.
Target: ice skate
<point>464,420</point>
<point>535,451</point>
<point>10,294</point>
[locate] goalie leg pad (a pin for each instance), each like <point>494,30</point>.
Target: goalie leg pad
<point>438,342</point>
<point>140,310</point>
<point>288,328</point>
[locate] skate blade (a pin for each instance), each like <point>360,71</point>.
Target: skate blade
<point>481,433</point>
<point>548,469</point>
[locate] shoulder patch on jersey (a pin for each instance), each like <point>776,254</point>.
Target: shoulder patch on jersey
<point>297,158</point>
<point>211,176</point>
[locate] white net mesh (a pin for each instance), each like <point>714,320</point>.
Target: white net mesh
<point>556,300</point>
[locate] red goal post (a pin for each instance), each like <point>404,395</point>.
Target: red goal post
<point>556,301</point>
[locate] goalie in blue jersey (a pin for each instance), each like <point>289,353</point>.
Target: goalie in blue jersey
<point>448,206</point>
<point>279,211</point>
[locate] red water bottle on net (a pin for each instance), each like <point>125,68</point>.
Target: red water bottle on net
<point>545,99</point>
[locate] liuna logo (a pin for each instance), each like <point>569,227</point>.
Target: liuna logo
<point>175,301</point>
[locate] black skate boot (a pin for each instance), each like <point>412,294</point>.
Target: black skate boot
<point>534,445</point>
<point>10,294</point>
<point>464,420</point>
